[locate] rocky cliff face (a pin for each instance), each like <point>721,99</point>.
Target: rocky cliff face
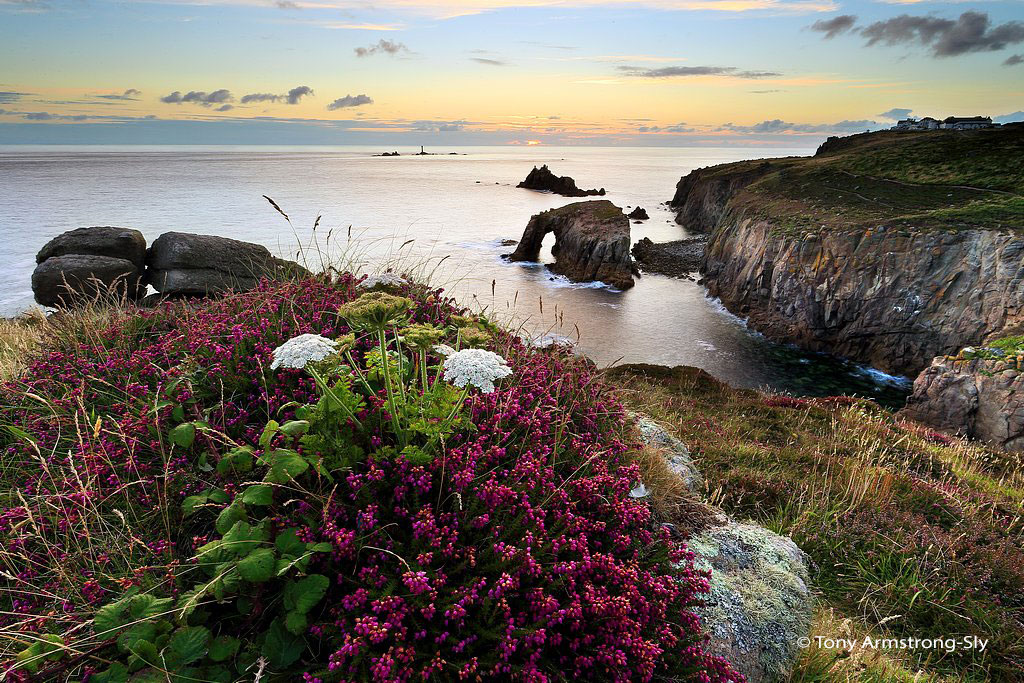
<point>982,398</point>
<point>702,195</point>
<point>591,242</point>
<point>890,298</point>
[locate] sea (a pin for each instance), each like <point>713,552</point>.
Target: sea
<point>442,216</point>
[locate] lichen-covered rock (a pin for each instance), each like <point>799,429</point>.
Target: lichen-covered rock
<point>544,180</point>
<point>760,602</point>
<point>72,278</point>
<point>676,454</point>
<point>591,242</point>
<point>982,398</point>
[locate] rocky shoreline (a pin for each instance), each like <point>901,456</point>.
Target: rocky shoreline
<point>678,258</point>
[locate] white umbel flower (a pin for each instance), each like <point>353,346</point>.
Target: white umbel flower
<point>475,367</point>
<point>443,349</point>
<point>385,279</point>
<point>305,348</point>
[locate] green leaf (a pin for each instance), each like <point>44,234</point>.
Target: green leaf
<point>49,647</point>
<point>143,631</point>
<point>189,643</point>
<point>183,435</point>
<point>296,622</point>
<point>288,543</point>
<point>117,673</point>
<point>285,465</point>
<point>108,618</point>
<point>237,459</point>
<point>268,434</point>
<point>322,547</point>
<point>230,515</point>
<point>145,605</point>
<point>260,494</point>
<point>178,413</point>
<point>281,647</point>
<point>295,427</point>
<point>223,647</point>
<point>304,594</point>
<point>189,505</point>
<point>257,566</point>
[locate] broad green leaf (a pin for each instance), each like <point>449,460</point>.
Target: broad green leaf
<point>178,413</point>
<point>229,516</point>
<point>189,505</point>
<point>117,673</point>
<point>281,647</point>
<point>285,465</point>
<point>189,643</point>
<point>260,494</point>
<point>322,547</point>
<point>288,543</point>
<point>295,427</point>
<point>183,435</point>
<point>223,647</point>
<point>304,594</point>
<point>257,566</point>
<point>268,434</point>
<point>296,622</point>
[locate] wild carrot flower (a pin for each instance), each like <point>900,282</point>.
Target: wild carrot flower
<point>443,349</point>
<point>475,367</point>
<point>298,351</point>
<point>383,280</point>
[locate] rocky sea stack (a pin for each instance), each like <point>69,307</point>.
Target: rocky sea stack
<point>544,180</point>
<point>591,242</point>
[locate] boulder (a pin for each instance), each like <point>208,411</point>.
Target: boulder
<point>591,242</point>
<point>760,603</point>
<point>71,278</point>
<point>544,180</point>
<point>639,214</point>
<point>188,264</point>
<point>120,243</point>
<point>975,394</point>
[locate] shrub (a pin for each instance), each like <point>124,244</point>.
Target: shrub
<point>178,509</point>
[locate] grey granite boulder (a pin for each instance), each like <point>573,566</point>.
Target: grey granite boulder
<point>760,602</point>
<point>66,280</point>
<point>675,452</point>
<point>121,243</point>
<point>188,264</point>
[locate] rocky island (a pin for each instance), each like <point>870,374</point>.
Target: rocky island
<point>591,242</point>
<point>543,180</point>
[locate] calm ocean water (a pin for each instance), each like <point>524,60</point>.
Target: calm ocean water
<point>455,210</point>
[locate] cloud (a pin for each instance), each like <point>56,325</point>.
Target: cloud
<point>39,116</point>
<point>780,126</point>
<point>199,97</point>
<point>834,26</point>
<point>677,128</point>
<point>440,126</point>
<point>7,97</point>
<point>1009,118</point>
<point>971,32</point>
<point>129,94</point>
<point>349,101</point>
<point>895,113</point>
<point>673,71</point>
<point>765,92</point>
<point>225,107</point>
<point>1014,60</point>
<point>489,62</point>
<point>390,47</point>
<point>294,96</point>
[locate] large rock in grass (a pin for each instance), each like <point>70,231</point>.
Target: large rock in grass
<point>74,278</point>
<point>760,603</point>
<point>591,242</point>
<point>185,264</point>
<point>87,263</point>
<point>544,180</point>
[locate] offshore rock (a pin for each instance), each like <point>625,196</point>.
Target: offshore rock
<point>638,214</point>
<point>591,242</point>
<point>544,180</point>
<point>979,397</point>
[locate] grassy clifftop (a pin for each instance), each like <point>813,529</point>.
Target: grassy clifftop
<point>933,180</point>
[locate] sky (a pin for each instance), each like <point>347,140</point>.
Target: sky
<point>497,72</point>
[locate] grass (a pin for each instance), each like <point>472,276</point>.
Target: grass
<point>944,180</point>
<point>911,532</point>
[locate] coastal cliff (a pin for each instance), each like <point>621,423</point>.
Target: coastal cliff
<point>871,252</point>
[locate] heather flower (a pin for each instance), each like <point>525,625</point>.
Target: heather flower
<point>301,350</point>
<point>475,367</point>
<point>375,310</point>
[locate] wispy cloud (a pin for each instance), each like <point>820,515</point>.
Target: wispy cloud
<point>349,101</point>
<point>489,62</point>
<point>7,96</point>
<point>200,97</point>
<point>382,46</point>
<point>293,96</point>
<point>1014,60</point>
<point>776,126</point>
<point>677,71</point>
<point>834,26</point>
<point>129,94</point>
<point>895,113</point>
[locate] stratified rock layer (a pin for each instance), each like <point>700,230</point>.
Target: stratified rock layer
<point>982,398</point>
<point>544,180</point>
<point>591,242</point>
